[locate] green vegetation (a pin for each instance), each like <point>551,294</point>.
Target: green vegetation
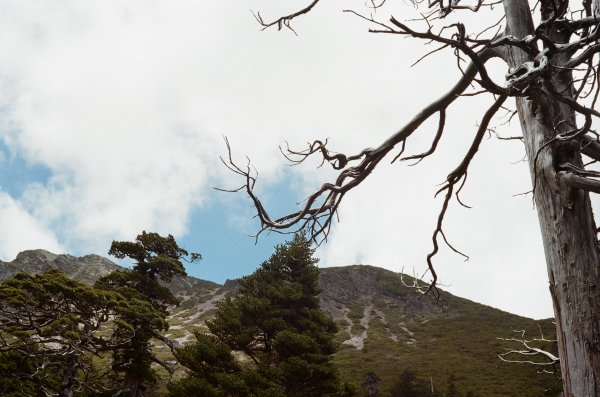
<point>432,339</point>
<point>55,330</point>
<point>49,325</point>
<point>156,259</point>
<point>398,328</point>
<point>409,386</point>
<point>275,321</point>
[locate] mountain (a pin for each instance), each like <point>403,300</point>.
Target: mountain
<point>88,269</point>
<point>385,326</point>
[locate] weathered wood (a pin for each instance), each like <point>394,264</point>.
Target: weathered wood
<point>567,226</point>
<point>575,181</point>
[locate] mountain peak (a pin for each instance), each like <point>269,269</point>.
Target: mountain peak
<point>86,269</point>
<point>37,253</point>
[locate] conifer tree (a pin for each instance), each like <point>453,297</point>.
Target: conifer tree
<point>452,390</point>
<point>156,258</point>
<point>408,385</point>
<point>277,323</point>
<point>214,372</point>
<point>49,326</point>
<point>371,385</point>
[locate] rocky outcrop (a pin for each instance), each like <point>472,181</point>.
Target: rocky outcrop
<point>88,269</point>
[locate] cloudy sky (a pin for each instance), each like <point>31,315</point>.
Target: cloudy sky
<point>112,122</point>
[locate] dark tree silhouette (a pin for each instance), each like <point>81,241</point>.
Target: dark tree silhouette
<point>408,385</point>
<point>371,385</point>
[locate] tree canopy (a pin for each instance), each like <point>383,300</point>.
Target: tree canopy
<point>156,259</point>
<point>57,332</point>
<point>276,322</point>
<point>50,327</point>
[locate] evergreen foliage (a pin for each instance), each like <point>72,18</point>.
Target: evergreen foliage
<point>276,322</point>
<point>215,372</point>
<point>16,370</point>
<point>408,385</point>
<point>371,385</point>
<point>49,328</point>
<point>156,258</point>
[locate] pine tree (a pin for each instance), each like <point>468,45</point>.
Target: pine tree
<point>214,372</point>
<point>49,328</point>
<point>277,323</point>
<point>371,385</point>
<point>408,385</point>
<point>156,258</point>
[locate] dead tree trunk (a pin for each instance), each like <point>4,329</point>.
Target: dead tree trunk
<point>547,107</point>
<point>567,226</point>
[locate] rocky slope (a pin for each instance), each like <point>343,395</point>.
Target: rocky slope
<point>384,326</point>
<point>86,269</point>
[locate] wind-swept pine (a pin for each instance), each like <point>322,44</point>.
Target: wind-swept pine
<point>277,324</point>
<point>49,326</point>
<point>156,258</point>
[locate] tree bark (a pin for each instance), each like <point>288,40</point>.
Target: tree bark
<point>567,226</point>
<point>70,373</point>
<point>131,384</point>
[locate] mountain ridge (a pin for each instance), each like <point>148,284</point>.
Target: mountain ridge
<point>384,325</point>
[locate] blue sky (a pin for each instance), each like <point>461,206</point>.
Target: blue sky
<point>113,117</point>
<point>228,250</point>
<point>16,174</point>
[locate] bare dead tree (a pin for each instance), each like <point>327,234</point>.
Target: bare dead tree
<point>553,77</point>
<point>531,351</point>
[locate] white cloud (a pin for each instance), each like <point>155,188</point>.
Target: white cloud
<point>18,229</point>
<point>116,100</point>
<point>126,104</point>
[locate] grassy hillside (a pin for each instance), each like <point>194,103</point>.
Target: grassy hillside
<point>402,329</point>
<point>384,326</point>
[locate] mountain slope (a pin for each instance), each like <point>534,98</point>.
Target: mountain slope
<point>384,326</point>
<point>88,269</point>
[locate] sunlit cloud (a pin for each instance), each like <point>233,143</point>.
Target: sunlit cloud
<point>126,105</point>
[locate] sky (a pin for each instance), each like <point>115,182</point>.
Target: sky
<point>113,116</point>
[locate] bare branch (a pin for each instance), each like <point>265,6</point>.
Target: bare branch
<point>321,206</point>
<point>285,20</point>
<point>435,142</point>
<point>590,147</point>
<point>528,353</point>
<point>579,182</point>
<point>455,177</point>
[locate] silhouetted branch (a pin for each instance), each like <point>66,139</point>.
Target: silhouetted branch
<point>285,20</point>
<point>569,50</point>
